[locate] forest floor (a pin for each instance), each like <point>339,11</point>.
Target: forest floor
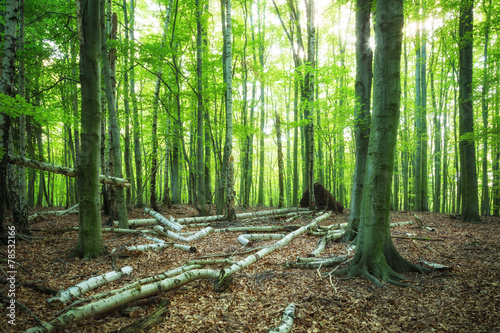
<point>465,297</point>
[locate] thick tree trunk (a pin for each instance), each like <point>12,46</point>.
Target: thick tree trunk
<point>90,243</point>
<point>375,257</point>
<point>7,88</point>
<point>468,175</point>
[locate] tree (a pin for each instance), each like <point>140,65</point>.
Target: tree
<point>90,243</point>
<point>119,209</point>
<point>201,203</point>
<point>228,146</point>
<point>376,257</point>
<point>363,87</point>
<point>7,88</point>
<point>468,175</point>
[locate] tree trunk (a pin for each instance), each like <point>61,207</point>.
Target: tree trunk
<point>376,257</point>
<point>21,208</point>
<point>364,73</point>
<point>281,167</point>
<point>126,103</point>
<point>109,71</point>
<point>90,243</point>
<point>7,88</point>
<point>468,176</point>
<point>135,110</point>
<point>485,195</point>
<point>201,203</point>
<point>228,146</point>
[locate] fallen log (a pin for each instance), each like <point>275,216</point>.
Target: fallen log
<point>246,238</point>
<point>170,223</point>
<point>200,234</point>
<point>81,288</point>
<point>286,321</point>
<point>72,209</point>
<point>223,278</point>
<point>17,160</point>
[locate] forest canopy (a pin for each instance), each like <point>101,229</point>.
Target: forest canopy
<point>170,95</point>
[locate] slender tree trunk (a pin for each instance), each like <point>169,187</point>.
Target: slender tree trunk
<point>200,133</point>
<point>309,87</point>
<point>281,166</point>
<point>90,243</point>
<point>109,71</point>
<point>485,194</point>
<point>228,146</point>
<point>135,110</point>
<point>364,73</point>
<point>260,196</point>
<point>468,175</point>
<point>130,192</point>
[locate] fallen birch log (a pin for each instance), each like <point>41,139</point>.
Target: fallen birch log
<point>264,228</point>
<point>223,277</point>
<point>200,234</point>
<point>110,303</point>
<point>320,246</point>
<point>63,170</point>
<point>286,321</point>
<point>72,209</point>
<point>138,284</point>
<point>158,246</point>
<point>81,288</point>
<point>202,219</point>
<point>246,238</point>
<point>170,223</point>
<point>139,222</point>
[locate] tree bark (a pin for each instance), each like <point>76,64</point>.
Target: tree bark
<point>363,87</point>
<point>90,243</point>
<point>119,209</point>
<point>468,175</point>
<point>376,257</point>
<point>7,88</point>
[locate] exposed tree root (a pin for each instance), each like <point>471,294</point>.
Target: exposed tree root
<point>379,270</point>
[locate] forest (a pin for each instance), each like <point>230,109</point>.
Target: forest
<point>373,125</point>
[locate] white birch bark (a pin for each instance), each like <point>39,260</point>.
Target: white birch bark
<point>246,238</point>
<point>147,290</point>
<point>63,170</point>
<point>159,246</point>
<point>170,223</point>
<point>94,282</point>
<point>200,234</point>
<point>286,321</point>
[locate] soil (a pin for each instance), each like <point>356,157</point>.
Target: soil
<point>462,297</point>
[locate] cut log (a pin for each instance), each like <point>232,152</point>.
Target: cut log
<point>169,223</point>
<point>72,292</point>
<point>63,170</point>
<point>286,321</point>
